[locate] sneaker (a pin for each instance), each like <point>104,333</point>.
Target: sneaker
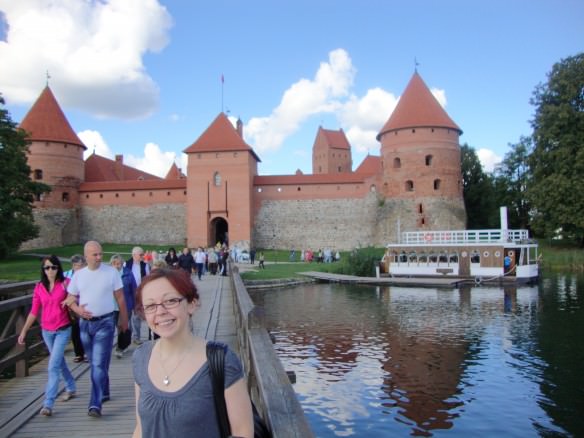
<point>46,412</point>
<point>105,399</point>
<point>119,353</point>
<point>68,395</point>
<point>94,412</point>
<point>137,342</point>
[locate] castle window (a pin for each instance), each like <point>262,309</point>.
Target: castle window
<point>150,193</point>
<point>420,209</point>
<point>279,189</point>
<point>396,163</point>
<point>167,193</point>
<point>185,192</point>
<point>413,131</point>
<point>133,195</point>
<point>409,186</point>
<point>319,169</point>
<point>217,155</point>
<point>372,188</point>
<point>428,160</point>
<point>340,168</point>
<point>259,190</point>
<point>38,174</point>
<point>65,146</point>
<point>86,196</point>
<point>101,195</point>
<point>38,197</point>
<point>423,221</point>
<point>217,179</point>
<point>199,156</point>
<point>117,195</point>
<point>298,189</point>
<point>437,184</point>
<point>234,154</point>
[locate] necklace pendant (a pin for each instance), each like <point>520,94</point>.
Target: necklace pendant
<point>166,380</point>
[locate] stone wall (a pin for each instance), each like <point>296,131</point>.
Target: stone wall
<point>318,223</point>
<point>155,224</point>
<point>57,227</point>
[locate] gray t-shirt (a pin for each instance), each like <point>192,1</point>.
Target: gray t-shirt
<point>188,412</point>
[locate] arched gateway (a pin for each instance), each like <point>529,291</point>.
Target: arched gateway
<point>219,231</point>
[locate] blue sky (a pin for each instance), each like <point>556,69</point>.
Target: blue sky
<point>142,78</point>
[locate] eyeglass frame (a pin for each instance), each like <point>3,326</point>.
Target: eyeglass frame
<point>153,307</point>
<point>51,267</point>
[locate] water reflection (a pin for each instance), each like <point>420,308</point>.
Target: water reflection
<point>402,361</point>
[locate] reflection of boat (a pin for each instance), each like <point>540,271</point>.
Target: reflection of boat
<point>499,256</point>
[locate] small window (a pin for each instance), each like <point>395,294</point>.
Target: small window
<point>409,186</point>
<point>38,174</point>
<point>38,197</point>
<point>475,257</point>
<point>437,184</point>
<point>340,169</point>
<point>429,160</point>
<point>279,189</point>
<point>372,188</point>
<point>101,195</point>
<point>117,195</point>
<point>396,163</point>
<point>298,189</point>
<point>259,190</point>
<point>167,193</point>
<point>217,179</point>
<point>420,209</point>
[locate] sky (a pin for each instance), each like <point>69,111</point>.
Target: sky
<point>145,78</point>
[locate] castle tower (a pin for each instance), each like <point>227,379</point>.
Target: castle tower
<point>221,169</point>
<point>421,160</point>
<point>331,152</point>
<point>55,157</point>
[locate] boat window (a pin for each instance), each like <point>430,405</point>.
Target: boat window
<point>453,258</point>
<point>423,258</point>
<point>443,258</point>
<point>475,257</point>
<point>433,257</point>
<point>393,258</point>
<point>403,257</point>
<point>413,257</point>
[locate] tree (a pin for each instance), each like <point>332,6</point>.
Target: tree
<point>511,182</point>
<point>557,161</point>
<point>17,190</point>
<point>478,192</point>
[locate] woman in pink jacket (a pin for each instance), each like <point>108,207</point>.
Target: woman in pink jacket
<point>48,294</point>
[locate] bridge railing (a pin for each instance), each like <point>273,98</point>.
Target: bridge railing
<point>268,382</point>
<point>13,312</point>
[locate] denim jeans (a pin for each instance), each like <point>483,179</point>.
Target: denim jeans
<point>135,325</point>
<point>97,338</point>
<point>56,342</point>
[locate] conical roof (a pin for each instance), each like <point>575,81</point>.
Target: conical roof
<point>220,136</point>
<point>174,173</point>
<point>417,107</point>
<point>45,121</point>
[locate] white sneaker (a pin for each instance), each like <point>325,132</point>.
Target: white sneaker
<point>119,353</point>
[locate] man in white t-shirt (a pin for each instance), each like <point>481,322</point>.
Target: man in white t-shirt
<point>91,291</point>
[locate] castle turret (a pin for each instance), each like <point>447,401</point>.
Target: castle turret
<point>421,159</point>
<point>55,157</point>
<point>331,152</point>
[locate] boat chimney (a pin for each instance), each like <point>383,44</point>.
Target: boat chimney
<point>503,211</point>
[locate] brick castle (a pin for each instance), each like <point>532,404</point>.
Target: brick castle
<point>415,184</point>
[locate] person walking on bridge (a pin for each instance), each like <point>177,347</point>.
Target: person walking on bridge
<point>49,294</point>
<point>174,393</point>
<point>90,296</point>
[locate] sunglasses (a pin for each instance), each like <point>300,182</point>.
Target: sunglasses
<point>51,267</point>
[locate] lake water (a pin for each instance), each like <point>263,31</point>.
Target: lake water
<point>394,361</point>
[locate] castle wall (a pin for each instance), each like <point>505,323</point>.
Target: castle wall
<point>153,224</point>
<point>57,227</point>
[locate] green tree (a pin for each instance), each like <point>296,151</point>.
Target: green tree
<point>478,192</point>
<point>511,179</point>
<point>557,161</point>
<point>17,190</point>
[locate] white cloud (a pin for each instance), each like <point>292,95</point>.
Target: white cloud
<point>95,143</point>
<point>488,159</point>
<point>303,99</point>
<point>154,160</point>
<point>440,96</point>
<point>92,50</point>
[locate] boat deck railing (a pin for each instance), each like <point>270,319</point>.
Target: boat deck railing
<point>464,237</point>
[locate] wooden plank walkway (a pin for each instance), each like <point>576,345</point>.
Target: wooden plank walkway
<point>384,281</point>
<point>21,398</point>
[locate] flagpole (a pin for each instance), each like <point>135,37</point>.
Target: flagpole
<point>222,84</point>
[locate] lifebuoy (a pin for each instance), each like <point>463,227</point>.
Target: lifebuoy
<point>428,237</point>
<point>478,280</point>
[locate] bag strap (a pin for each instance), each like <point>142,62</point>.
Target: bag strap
<point>216,359</point>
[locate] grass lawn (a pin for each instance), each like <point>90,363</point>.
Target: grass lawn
<point>285,270</point>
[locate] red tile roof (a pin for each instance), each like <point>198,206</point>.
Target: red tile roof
<point>334,139</point>
<point>370,165</point>
<point>152,184</point>
<point>45,121</point>
<point>220,136</point>
<point>417,107</point>
<point>98,169</point>
<point>174,173</point>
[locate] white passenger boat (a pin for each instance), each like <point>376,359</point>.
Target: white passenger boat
<point>493,256</point>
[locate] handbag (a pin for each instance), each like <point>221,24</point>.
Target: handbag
<point>216,358</point>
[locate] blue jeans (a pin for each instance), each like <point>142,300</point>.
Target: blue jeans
<point>135,325</point>
<point>56,342</point>
<point>97,338</point>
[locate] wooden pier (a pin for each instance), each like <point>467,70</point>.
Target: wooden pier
<point>220,317</point>
<point>384,281</point>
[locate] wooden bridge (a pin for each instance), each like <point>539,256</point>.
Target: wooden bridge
<point>226,314</point>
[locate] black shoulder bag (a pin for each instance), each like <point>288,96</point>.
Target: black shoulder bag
<point>216,358</point>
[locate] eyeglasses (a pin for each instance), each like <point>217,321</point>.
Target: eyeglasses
<point>51,267</point>
<point>171,303</point>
